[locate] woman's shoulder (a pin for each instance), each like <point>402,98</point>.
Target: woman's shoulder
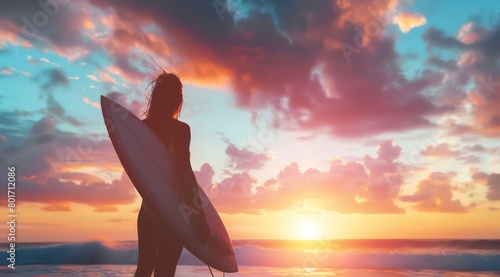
<point>174,122</point>
<point>183,126</point>
<point>181,123</point>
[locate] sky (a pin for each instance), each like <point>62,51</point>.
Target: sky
<point>309,119</point>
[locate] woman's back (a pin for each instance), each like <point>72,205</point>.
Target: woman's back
<point>174,134</point>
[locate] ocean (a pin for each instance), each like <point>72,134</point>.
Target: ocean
<point>353,258</point>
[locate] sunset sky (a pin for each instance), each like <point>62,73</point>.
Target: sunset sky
<point>309,119</point>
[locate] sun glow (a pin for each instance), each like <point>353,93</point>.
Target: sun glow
<point>308,230</point>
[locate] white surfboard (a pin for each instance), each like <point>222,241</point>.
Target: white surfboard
<point>151,169</point>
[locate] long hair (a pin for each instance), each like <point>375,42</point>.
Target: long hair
<point>166,96</point>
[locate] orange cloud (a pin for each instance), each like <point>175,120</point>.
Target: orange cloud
<point>362,12</point>
<point>57,208</point>
<point>91,103</point>
<point>9,34</point>
<point>407,21</point>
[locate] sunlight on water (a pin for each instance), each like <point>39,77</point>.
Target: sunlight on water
<point>363,258</point>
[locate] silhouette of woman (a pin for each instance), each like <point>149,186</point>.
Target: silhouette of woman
<point>159,246</point>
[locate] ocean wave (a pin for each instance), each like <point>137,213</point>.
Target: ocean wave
<point>94,252</point>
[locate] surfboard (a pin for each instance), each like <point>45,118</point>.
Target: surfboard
<point>151,169</point>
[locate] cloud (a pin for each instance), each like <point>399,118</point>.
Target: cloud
<point>118,220</point>
<point>277,57</point>
<point>204,176</point>
<point>407,21</point>
<point>493,187</point>
<point>61,32</point>
<point>7,71</point>
<point>54,164</point>
<point>106,209</point>
<point>10,35</point>
<point>134,106</point>
<point>235,189</point>
<point>105,77</point>
<point>450,64</point>
<point>280,58</point>
<point>43,125</point>
<point>439,150</point>
<point>244,158</point>
<point>80,178</point>
<point>102,77</point>
<point>93,78</point>
<point>434,194</point>
<point>32,60</point>
<point>470,159</point>
<point>57,208</point>
<point>352,187</point>
<point>438,38</point>
<point>471,32</point>
<point>101,195</point>
<point>479,57</point>
<point>13,124</point>
<point>53,78</point>
<point>479,176</point>
<point>56,110</point>
<point>91,103</point>
<point>476,148</point>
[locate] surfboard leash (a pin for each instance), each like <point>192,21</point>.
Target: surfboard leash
<point>223,273</point>
<point>211,273</point>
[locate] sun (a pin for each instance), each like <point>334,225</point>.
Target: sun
<point>308,230</point>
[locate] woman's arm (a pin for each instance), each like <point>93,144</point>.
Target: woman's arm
<point>183,156</point>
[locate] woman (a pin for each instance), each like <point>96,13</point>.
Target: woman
<point>159,247</point>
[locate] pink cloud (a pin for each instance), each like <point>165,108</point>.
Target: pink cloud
<point>244,158</point>
<point>136,107</point>
<point>470,32</point>
<point>434,194</point>
<point>91,103</point>
<point>478,64</point>
<point>439,150</point>
<point>493,187</point>
<point>266,70</point>
<point>479,177</point>
<point>302,81</point>
<point>204,176</point>
<point>101,195</point>
<point>369,187</point>
<point>51,162</point>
